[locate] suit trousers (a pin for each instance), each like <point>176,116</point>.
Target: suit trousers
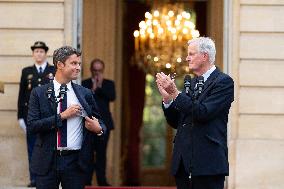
<point>99,166</point>
<point>31,138</point>
<point>198,182</point>
<point>65,171</point>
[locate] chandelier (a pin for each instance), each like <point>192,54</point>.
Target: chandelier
<point>161,41</point>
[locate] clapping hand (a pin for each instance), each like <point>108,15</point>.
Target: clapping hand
<point>166,86</point>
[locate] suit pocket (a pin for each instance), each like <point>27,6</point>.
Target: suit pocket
<point>38,142</point>
<point>213,140</point>
<point>218,144</point>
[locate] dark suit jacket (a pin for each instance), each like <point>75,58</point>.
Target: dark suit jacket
<point>103,97</point>
<point>42,121</point>
<point>30,79</point>
<point>201,138</point>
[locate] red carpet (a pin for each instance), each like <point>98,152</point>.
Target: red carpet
<point>128,187</point>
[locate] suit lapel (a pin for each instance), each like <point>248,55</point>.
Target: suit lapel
<point>90,84</point>
<point>209,82</point>
<point>46,70</point>
<point>35,70</point>
<point>81,99</point>
<point>211,78</point>
<point>84,104</point>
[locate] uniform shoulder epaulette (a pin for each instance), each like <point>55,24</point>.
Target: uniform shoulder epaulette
<point>28,68</point>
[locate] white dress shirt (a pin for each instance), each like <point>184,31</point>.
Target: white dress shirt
<point>74,124</point>
<point>43,66</point>
<point>208,73</point>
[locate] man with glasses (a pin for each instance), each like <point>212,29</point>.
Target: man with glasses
<point>104,93</point>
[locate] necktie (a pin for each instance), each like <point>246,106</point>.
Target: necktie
<point>194,83</point>
<point>194,87</point>
<point>40,70</point>
<point>62,132</point>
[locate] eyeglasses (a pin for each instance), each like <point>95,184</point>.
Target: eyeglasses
<point>97,70</point>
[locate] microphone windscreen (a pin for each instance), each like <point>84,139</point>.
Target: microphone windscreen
<point>63,88</point>
<point>200,79</point>
<point>187,78</point>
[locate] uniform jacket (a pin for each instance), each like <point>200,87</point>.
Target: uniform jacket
<point>30,79</point>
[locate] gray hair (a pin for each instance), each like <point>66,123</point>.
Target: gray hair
<point>63,53</point>
<point>205,45</point>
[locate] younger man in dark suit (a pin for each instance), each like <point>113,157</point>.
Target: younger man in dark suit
<point>63,148</point>
<point>32,76</point>
<point>200,115</point>
<point>104,93</point>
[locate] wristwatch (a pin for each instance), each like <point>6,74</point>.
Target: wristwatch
<point>100,133</point>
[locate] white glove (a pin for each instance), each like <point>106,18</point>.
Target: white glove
<point>23,124</point>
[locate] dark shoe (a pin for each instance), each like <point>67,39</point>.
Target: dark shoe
<point>32,184</point>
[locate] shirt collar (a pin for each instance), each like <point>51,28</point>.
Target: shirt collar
<point>57,85</point>
<point>209,72</point>
<point>43,66</point>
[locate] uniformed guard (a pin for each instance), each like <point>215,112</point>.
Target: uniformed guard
<point>32,76</point>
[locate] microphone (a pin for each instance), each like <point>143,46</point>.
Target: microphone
<point>187,82</point>
<point>200,84</point>
<point>49,92</point>
<point>198,87</point>
<point>62,92</point>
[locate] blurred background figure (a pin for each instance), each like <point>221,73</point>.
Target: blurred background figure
<point>104,93</point>
<point>32,76</point>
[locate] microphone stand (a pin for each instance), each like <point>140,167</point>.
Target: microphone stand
<point>55,101</point>
<point>193,98</point>
<point>190,93</point>
<point>195,94</point>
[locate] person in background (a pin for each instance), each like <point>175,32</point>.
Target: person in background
<point>32,76</point>
<point>104,93</point>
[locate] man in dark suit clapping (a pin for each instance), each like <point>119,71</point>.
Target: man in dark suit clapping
<point>200,115</point>
<point>64,133</point>
<point>104,93</point>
